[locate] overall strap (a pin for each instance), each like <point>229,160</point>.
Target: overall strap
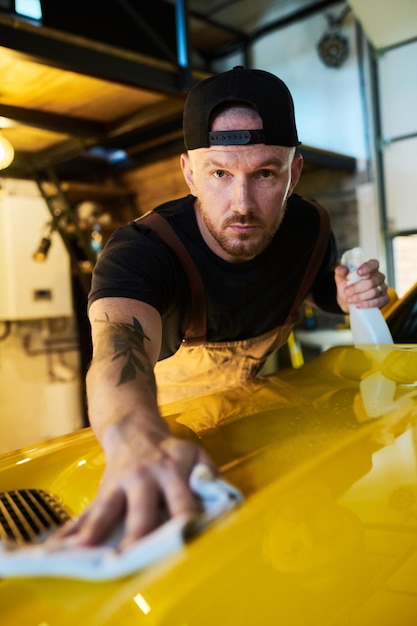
<point>196,332</point>
<point>316,258</point>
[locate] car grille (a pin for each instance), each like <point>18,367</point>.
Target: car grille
<point>26,513</point>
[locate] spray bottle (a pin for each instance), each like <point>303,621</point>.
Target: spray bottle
<point>368,325</point>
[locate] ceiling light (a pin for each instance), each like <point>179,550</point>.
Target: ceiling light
<point>6,152</point>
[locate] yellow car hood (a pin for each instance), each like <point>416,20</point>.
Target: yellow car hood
<point>327,533</point>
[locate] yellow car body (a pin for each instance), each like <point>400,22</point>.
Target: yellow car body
<point>326,535</point>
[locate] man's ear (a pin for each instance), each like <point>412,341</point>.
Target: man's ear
<point>296,169</point>
<point>187,171</point>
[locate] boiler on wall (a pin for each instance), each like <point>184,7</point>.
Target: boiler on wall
<point>29,289</point>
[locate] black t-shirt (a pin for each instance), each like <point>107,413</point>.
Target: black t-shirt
<point>243,299</point>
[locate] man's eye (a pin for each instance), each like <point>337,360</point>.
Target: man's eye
<point>219,173</point>
<point>265,173</point>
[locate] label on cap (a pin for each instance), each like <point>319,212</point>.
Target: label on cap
<point>235,137</point>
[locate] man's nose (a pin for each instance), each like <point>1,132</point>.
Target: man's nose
<point>242,198</point>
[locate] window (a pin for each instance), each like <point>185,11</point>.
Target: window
<point>29,8</point>
<point>404,249</point>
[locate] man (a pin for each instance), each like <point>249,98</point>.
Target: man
<point>257,252</point>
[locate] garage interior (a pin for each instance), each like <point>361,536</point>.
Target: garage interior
<point>91,102</point>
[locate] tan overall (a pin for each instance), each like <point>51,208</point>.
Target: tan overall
<point>199,366</point>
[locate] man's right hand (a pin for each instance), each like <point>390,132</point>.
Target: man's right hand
<point>145,482</point>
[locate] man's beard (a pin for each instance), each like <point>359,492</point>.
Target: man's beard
<point>243,247</point>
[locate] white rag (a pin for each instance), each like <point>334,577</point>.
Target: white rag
<point>105,561</point>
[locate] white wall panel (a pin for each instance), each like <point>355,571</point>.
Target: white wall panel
<point>400,173</point>
<point>398,90</point>
<point>328,103</point>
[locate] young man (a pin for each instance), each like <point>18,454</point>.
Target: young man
<point>173,319</point>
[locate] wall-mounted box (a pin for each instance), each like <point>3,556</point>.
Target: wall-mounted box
<point>29,289</point>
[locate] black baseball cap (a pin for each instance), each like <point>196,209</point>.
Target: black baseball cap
<point>267,93</point>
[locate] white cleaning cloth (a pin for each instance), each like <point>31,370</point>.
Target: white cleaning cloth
<point>105,562</point>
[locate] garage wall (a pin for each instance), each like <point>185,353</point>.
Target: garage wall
<point>155,183</point>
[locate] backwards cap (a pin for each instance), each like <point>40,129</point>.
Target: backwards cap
<point>265,92</point>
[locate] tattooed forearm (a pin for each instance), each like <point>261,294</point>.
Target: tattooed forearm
<point>126,342</point>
